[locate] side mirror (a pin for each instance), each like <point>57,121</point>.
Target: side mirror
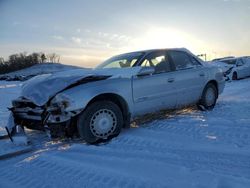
<point>146,71</point>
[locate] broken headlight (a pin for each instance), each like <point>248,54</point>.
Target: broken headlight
<point>58,104</point>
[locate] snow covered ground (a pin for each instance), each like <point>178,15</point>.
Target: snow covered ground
<point>189,149</point>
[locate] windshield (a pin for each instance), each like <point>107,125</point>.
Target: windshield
<point>122,61</point>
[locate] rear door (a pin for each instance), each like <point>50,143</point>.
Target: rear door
<point>154,92</point>
<point>190,77</point>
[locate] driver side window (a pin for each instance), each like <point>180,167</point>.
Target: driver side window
<point>157,60</point>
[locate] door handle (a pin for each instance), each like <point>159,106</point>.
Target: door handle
<point>202,74</point>
<point>170,80</point>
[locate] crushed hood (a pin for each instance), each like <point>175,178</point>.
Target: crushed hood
<point>41,88</point>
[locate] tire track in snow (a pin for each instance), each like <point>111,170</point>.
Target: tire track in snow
<point>59,171</point>
<point>198,128</point>
<point>232,164</point>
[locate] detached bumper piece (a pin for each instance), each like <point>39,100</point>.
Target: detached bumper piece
<point>16,132</point>
<point>17,135</point>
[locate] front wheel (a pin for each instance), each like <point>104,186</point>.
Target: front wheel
<point>209,97</point>
<point>101,120</point>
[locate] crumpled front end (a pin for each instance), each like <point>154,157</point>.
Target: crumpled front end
<point>52,117</point>
<point>52,102</point>
<point>56,116</point>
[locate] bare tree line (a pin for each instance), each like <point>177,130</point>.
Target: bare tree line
<point>23,60</point>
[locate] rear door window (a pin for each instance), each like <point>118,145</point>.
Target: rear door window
<point>230,61</point>
<point>182,60</point>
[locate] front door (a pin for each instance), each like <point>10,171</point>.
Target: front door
<point>154,92</point>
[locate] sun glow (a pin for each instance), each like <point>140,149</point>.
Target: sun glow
<point>153,37</point>
<point>157,37</point>
<point>160,38</point>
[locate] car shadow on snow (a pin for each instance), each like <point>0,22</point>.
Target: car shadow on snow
<point>162,115</point>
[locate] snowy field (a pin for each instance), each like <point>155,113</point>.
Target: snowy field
<point>189,149</point>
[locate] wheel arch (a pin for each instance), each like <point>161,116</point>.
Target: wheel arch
<point>201,104</point>
<point>235,73</point>
<point>215,83</point>
<point>118,100</point>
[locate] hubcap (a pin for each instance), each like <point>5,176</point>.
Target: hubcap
<point>210,96</point>
<point>103,123</point>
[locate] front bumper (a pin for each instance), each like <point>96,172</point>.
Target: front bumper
<point>27,114</point>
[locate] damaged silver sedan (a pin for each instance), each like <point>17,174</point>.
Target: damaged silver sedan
<point>96,104</point>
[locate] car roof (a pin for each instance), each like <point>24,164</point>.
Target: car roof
<point>160,49</point>
<point>234,58</point>
<point>231,58</point>
<point>222,58</point>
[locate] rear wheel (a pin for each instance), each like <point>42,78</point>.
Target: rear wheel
<point>235,76</point>
<point>209,97</point>
<point>100,121</point>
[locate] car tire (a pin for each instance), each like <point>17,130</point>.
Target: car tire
<point>235,76</point>
<point>208,98</point>
<point>101,120</point>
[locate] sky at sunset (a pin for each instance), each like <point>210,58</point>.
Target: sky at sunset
<point>87,32</point>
